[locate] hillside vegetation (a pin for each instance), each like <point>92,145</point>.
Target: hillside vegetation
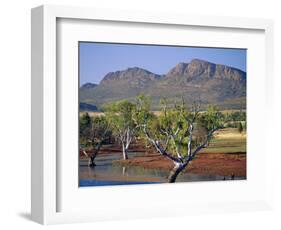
<point>212,83</point>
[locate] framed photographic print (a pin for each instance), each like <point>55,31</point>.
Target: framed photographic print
<point>140,114</point>
<point>139,127</point>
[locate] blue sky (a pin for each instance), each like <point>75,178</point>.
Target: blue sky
<point>97,59</point>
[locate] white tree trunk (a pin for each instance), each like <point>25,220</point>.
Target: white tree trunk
<point>178,168</point>
<point>125,152</point>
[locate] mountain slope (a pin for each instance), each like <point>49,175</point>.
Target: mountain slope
<point>87,107</point>
<point>211,83</point>
<point>88,85</point>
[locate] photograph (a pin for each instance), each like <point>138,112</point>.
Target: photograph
<point>151,114</point>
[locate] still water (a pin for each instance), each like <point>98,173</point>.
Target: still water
<point>107,173</point>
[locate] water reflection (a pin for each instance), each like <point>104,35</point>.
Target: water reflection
<point>107,173</point>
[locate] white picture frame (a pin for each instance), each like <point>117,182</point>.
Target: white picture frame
<point>46,168</point>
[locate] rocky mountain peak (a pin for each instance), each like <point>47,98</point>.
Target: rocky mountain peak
<point>133,74</point>
<point>179,69</point>
<point>199,67</point>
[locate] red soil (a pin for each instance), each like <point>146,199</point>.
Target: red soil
<point>205,163</point>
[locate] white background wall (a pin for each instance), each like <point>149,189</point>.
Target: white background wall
<point>15,112</point>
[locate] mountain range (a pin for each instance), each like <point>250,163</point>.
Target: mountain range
<point>212,83</point>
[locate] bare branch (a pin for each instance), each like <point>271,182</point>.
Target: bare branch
<point>204,143</point>
<point>159,148</point>
<point>167,143</point>
<point>189,147</point>
<point>164,132</point>
<point>195,110</point>
<point>176,146</point>
<point>177,131</point>
<point>183,136</point>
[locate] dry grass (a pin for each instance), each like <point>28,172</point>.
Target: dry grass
<point>227,140</point>
<point>92,114</point>
<point>230,134</point>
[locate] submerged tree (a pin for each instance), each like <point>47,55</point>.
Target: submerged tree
<point>119,115</point>
<point>172,132</point>
<point>93,132</point>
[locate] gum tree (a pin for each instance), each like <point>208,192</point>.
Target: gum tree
<point>173,132</point>
<point>119,115</point>
<point>93,132</point>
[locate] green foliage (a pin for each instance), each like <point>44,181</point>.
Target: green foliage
<point>93,130</point>
<point>120,116</point>
<point>142,114</point>
<point>120,113</point>
<point>84,122</point>
<point>211,119</point>
<point>100,126</point>
<point>173,119</point>
<point>172,126</point>
<point>177,122</point>
<point>236,116</point>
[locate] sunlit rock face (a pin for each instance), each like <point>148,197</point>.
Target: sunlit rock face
<point>213,83</point>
